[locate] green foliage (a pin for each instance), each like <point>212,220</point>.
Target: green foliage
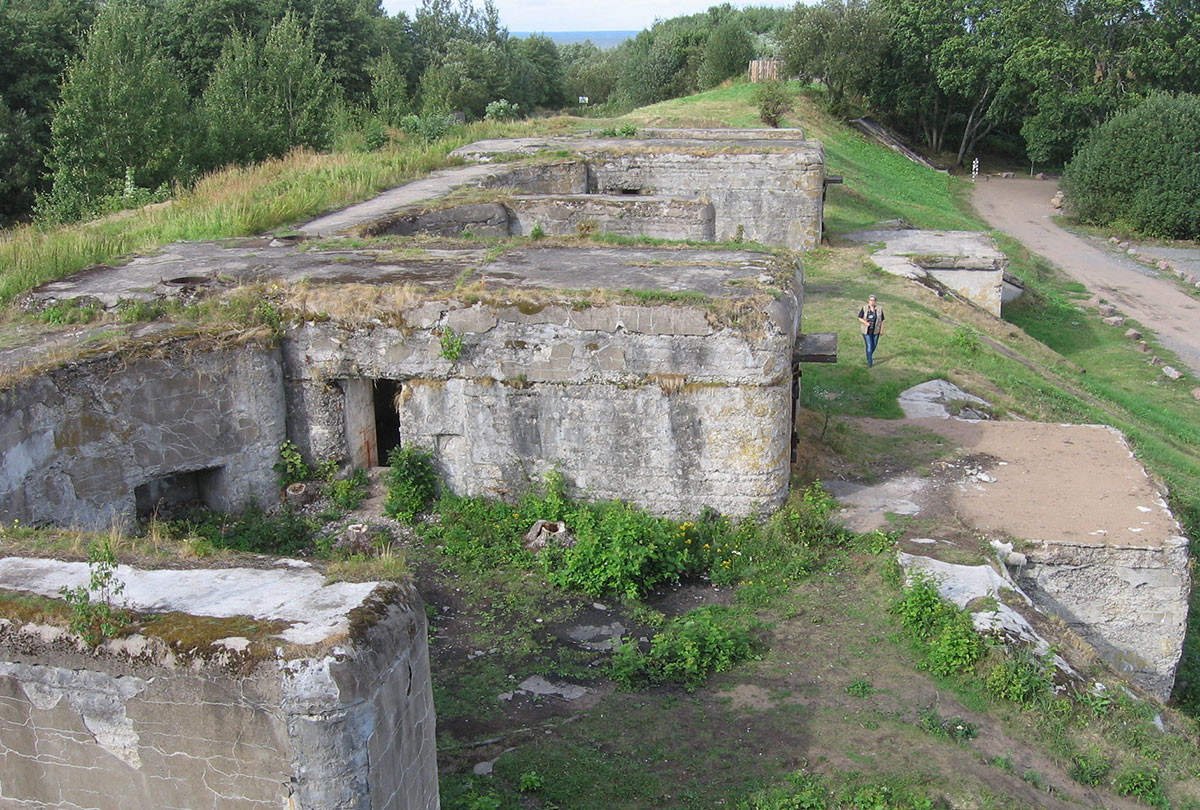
<point>348,493</point>
<point>1141,783</point>
<point>944,636</point>
<point>287,531</point>
<point>122,109</point>
<point>530,782</point>
<point>389,90</point>
<point>836,42</point>
<point>620,549</point>
<point>291,466</point>
<point>73,310</point>
<point>860,688</point>
<point>965,341</point>
<point>1089,768</point>
<point>950,728</point>
<point>1022,677</point>
<point>537,231</point>
<point>812,791</point>
<point>727,53</point>
<point>480,532</point>
<point>501,110</point>
<point>429,127</point>
<point>411,483</point>
<point>622,131</point>
<point>708,639</point>
<point>1141,168</point>
<point>774,101</point>
<point>93,615</point>
<point>452,345</point>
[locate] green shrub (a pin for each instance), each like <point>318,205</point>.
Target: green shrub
<point>291,467</point>
<point>774,101</point>
<point>1021,678</point>
<point>703,641</point>
<point>93,614</point>
<point>1141,783</point>
<point>481,532</point>
<point>1090,768</point>
<point>1142,167</point>
<point>620,549</point>
<point>945,637</point>
<point>348,493</point>
<point>411,483</point>
<point>501,110</point>
<point>950,728</point>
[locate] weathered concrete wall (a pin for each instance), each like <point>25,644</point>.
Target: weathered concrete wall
<point>349,727</point>
<point>561,177</point>
<point>775,197</point>
<point>982,287</point>
<point>659,404</point>
<point>1131,603</point>
<point>80,440</point>
<point>656,217</point>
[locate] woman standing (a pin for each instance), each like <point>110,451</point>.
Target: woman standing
<point>870,319</point>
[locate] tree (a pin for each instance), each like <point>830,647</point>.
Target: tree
<point>300,93</point>
<point>726,54</point>
<point>541,52</point>
<point>837,43</point>
<point>469,76</point>
<point>122,110</point>
<point>590,72</point>
<point>1141,169</point>
<point>37,40</point>
<point>389,93</point>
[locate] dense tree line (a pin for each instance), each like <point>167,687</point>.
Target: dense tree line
<point>1035,76</point>
<point>106,101</point>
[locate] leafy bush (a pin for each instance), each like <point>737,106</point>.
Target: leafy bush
<point>1141,169</point>
<point>481,532</point>
<point>1021,678</point>
<point>501,110</point>
<point>348,493</point>
<point>411,483</point>
<point>950,728</point>
<point>619,549</point>
<point>774,101</point>
<point>944,635</point>
<point>428,127</point>
<point>292,467</point>
<point>703,641</point>
<point>93,615</point>
<point>1090,768</point>
<point>287,531</point>
<point>1141,783</point>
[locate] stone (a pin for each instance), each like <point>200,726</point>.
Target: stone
<point>1133,334</point>
<point>1132,251</point>
<point>1114,320</point>
<point>1188,278</point>
<point>1123,245</point>
<point>1114,240</point>
<point>1196,394</point>
<point>1163,264</point>
<point>1040,175</point>
<point>1154,361</point>
<point>1106,309</point>
<point>1171,372</point>
<point>1143,347</point>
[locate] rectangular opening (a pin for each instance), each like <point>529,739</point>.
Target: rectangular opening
<point>387,418</point>
<point>169,495</point>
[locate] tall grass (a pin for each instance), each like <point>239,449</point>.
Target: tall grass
<point>236,201</point>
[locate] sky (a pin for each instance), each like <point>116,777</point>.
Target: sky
<point>587,15</point>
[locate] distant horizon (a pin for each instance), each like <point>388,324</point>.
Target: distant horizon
<point>573,17</point>
<point>601,39</point>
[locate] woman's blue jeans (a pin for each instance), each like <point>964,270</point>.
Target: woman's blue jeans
<point>872,341</point>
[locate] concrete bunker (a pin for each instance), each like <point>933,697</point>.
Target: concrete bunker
<point>702,185</point>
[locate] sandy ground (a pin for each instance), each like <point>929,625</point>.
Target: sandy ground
<point>1021,208</point>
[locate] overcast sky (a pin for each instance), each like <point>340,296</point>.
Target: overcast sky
<point>587,15</point>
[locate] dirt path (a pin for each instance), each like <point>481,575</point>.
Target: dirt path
<point>1021,208</point>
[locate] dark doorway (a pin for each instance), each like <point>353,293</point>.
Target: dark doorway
<point>169,495</point>
<point>387,418</point>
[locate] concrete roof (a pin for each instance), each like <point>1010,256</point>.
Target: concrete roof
<point>209,266</point>
<point>293,591</point>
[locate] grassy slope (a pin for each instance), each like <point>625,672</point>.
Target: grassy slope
<point>753,727</point>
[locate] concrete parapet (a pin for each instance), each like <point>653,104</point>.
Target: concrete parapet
<point>335,711</point>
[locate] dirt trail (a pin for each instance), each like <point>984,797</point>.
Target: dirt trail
<point>1021,208</point>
